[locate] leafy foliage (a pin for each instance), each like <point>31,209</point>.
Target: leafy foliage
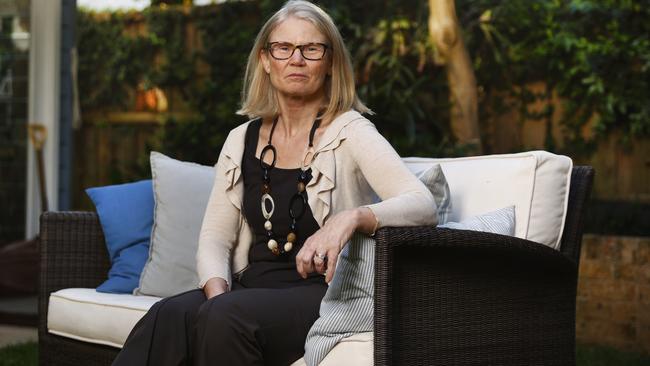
<point>110,63</point>
<point>594,54</point>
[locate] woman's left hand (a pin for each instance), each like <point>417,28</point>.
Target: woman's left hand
<point>326,242</point>
<point>321,250</point>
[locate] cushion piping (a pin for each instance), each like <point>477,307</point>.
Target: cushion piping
<point>84,339</point>
<point>99,303</point>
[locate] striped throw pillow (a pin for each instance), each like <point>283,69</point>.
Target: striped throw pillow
<point>347,307</point>
<point>501,221</point>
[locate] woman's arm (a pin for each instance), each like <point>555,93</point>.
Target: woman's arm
<point>218,234</point>
<point>406,202</point>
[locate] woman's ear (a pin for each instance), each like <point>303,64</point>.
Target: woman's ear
<point>266,63</point>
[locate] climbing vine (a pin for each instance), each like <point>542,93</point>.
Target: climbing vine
<point>593,54</point>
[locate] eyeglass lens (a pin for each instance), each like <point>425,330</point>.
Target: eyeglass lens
<point>309,51</point>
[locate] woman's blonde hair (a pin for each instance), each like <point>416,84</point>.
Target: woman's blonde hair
<point>259,97</point>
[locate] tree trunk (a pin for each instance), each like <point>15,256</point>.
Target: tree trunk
<point>445,32</point>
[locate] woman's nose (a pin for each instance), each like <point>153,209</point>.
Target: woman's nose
<point>297,57</point>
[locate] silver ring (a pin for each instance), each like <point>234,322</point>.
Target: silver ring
<point>320,256</point>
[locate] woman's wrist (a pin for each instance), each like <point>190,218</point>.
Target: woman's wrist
<point>215,286</point>
<point>366,222</point>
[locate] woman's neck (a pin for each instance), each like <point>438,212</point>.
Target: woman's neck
<point>297,114</point>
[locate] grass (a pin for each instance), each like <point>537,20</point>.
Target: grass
<point>26,354</point>
<point>587,355</point>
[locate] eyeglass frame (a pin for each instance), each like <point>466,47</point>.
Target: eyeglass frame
<point>300,47</point>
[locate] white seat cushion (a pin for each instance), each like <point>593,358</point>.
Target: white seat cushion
<point>90,316</point>
<point>354,350</point>
<point>535,182</point>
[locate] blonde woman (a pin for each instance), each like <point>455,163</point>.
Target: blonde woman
<point>292,185</point>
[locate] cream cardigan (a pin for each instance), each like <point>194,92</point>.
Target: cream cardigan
<point>351,162</point>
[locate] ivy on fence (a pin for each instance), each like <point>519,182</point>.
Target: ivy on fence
<point>595,54</point>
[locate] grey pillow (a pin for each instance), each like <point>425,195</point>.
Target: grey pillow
<point>501,221</point>
<point>181,192</point>
<point>434,179</point>
<point>347,307</point>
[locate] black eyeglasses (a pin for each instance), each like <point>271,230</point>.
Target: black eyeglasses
<point>309,51</point>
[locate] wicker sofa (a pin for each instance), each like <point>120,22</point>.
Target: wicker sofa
<point>442,296</point>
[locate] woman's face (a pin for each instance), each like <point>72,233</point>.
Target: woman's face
<point>297,76</point>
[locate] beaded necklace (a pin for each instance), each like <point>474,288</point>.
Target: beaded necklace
<point>299,198</point>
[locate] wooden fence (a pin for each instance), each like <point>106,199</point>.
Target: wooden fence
<point>622,170</point>
<point>115,149</point>
<point>112,150</point>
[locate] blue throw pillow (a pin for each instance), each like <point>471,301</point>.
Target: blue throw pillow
<point>126,215</point>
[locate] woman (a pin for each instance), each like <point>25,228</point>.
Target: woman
<point>292,186</point>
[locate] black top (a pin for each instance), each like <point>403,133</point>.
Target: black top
<point>265,268</point>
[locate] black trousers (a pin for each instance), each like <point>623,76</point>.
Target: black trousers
<point>246,326</point>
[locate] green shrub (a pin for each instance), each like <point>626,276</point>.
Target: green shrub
<point>595,54</point>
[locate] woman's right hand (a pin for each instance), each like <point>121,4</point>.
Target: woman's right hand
<point>215,287</point>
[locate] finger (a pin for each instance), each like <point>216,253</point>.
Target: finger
<point>304,257</point>
<point>308,264</point>
<point>304,265</point>
<point>299,268</point>
<point>304,262</point>
<point>332,257</point>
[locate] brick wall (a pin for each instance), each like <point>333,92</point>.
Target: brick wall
<point>613,304</point>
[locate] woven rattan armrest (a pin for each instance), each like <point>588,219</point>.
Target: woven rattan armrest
<point>73,254</point>
<point>460,297</point>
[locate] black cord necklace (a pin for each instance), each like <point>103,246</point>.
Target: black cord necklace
<point>298,203</point>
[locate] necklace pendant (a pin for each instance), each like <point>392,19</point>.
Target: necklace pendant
<point>267,225</point>
<point>266,198</point>
<point>273,246</point>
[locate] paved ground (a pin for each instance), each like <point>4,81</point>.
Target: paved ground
<point>11,334</point>
<point>13,312</point>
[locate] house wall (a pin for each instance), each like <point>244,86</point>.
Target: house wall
<point>44,104</point>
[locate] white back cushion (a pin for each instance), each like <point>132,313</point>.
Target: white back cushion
<point>535,182</point>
